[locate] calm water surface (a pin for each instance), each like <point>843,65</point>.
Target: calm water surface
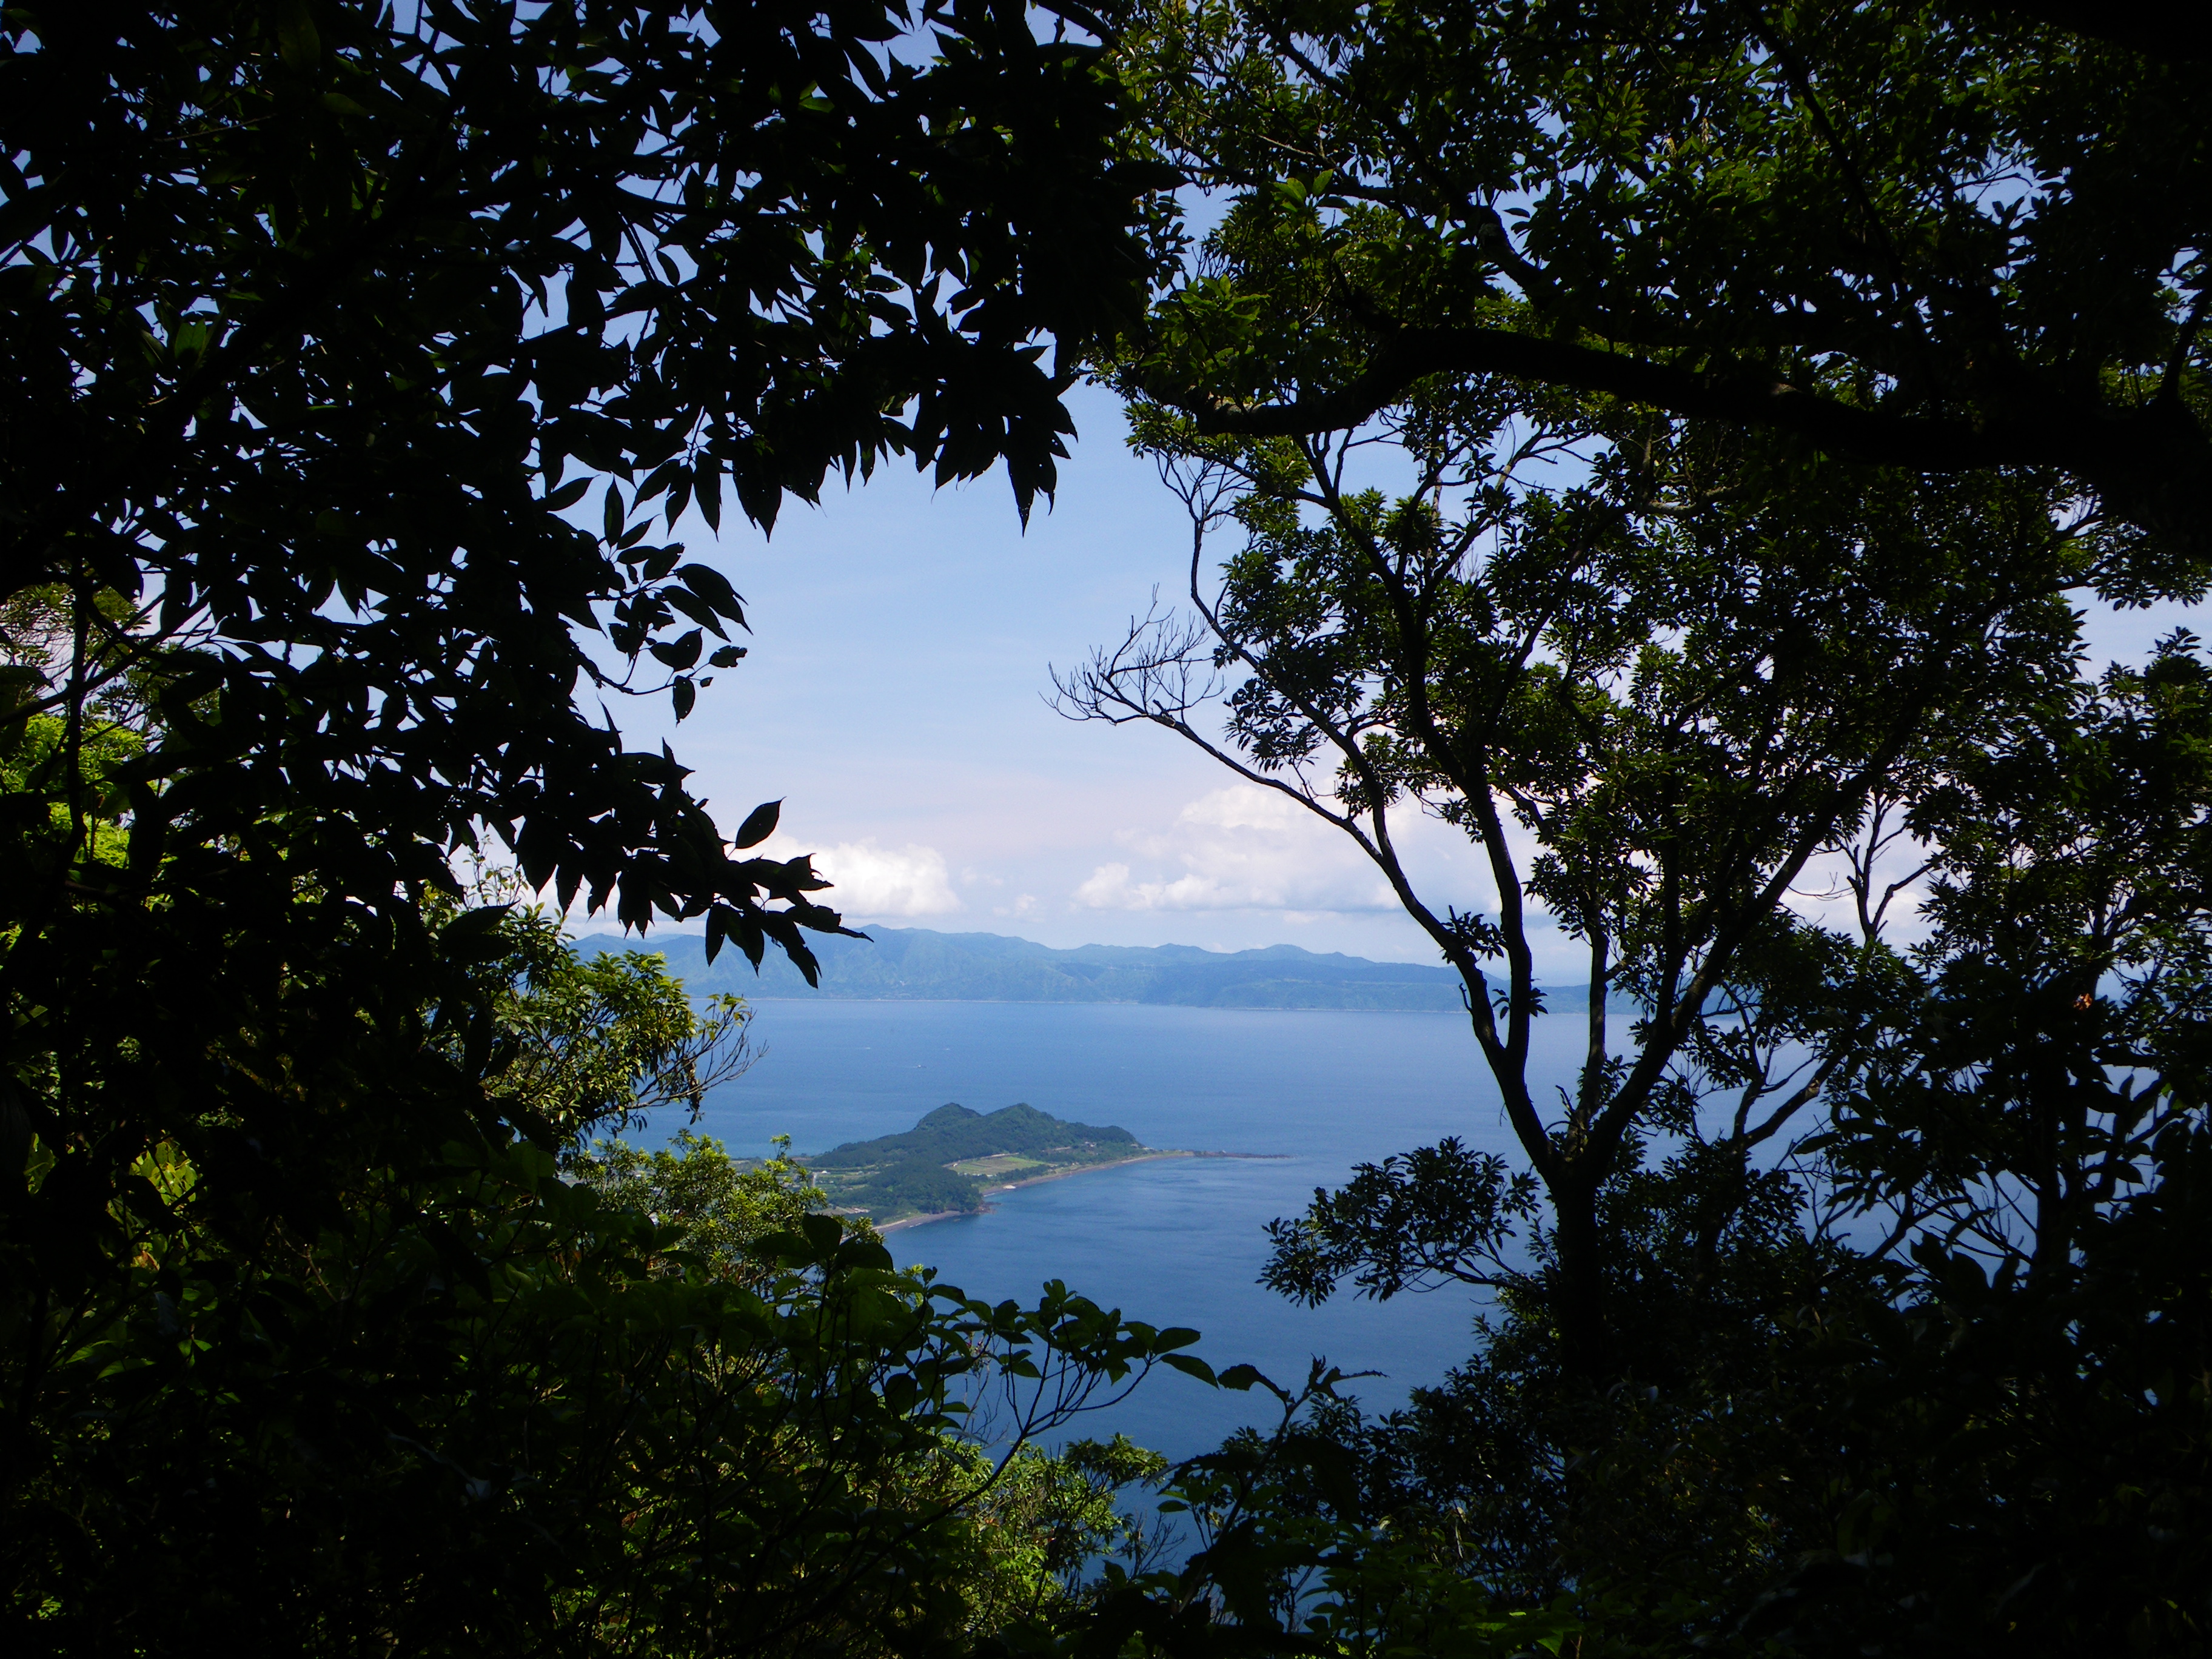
<point>1175,1243</point>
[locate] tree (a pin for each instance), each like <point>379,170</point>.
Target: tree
<point>1941,1389</point>
<point>721,1204</point>
<point>1040,1523</point>
<point>1650,701</point>
<point>325,321</point>
<point>2025,1152</point>
<point>1940,235</point>
<point>487,1404</point>
<point>331,328</point>
<point>1660,447</point>
<point>603,1041</point>
<point>1974,1417</point>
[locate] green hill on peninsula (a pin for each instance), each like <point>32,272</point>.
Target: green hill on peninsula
<point>942,1165</point>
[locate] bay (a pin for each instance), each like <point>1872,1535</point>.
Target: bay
<point>1176,1241</point>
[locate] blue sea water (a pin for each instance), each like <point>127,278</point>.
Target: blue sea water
<point>1176,1241</point>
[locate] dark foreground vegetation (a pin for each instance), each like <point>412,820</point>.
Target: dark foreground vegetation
<point>1669,444</point>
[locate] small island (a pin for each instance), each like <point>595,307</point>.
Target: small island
<point>946,1162</point>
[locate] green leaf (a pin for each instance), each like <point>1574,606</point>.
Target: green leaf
<point>713,587</point>
<point>760,824</point>
<point>1192,1365</point>
<point>297,40</point>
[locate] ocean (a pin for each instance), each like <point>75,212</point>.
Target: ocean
<point>1176,1241</point>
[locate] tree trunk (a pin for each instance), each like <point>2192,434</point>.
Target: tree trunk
<point>1585,1345</point>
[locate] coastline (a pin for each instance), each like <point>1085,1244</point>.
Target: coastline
<point>1060,1174</point>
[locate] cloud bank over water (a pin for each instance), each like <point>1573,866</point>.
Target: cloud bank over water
<point>1241,848</point>
<point>878,881</point>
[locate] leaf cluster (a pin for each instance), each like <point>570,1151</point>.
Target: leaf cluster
<point>477,1400</point>
<point>1936,234</point>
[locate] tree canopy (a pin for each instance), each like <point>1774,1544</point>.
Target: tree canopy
<point>328,321</point>
<point>500,1398</point>
<point>1939,236</point>
<point>353,354</point>
<point>325,322</point>
<point>1671,449</point>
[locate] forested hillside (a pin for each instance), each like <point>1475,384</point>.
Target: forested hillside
<point>953,1133</point>
<point>945,1162</point>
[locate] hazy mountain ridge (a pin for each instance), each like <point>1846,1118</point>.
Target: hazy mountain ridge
<point>920,964</point>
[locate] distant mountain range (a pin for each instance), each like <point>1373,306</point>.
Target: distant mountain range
<point>916,963</point>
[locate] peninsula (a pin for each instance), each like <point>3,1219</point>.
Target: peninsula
<point>945,1163</point>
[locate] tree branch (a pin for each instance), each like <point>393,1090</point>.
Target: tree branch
<point>2112,441</point>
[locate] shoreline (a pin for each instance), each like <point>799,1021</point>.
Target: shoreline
<point>905,1222</point>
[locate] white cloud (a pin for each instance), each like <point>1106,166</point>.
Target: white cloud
<point>1108,889</point>
<point>1247,806</point>
<point>878,881</point>
<point>1240,848</point>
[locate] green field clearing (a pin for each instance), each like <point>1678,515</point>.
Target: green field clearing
<point>998,1163</point>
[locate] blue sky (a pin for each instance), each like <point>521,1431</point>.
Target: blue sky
<point>894,699</point>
